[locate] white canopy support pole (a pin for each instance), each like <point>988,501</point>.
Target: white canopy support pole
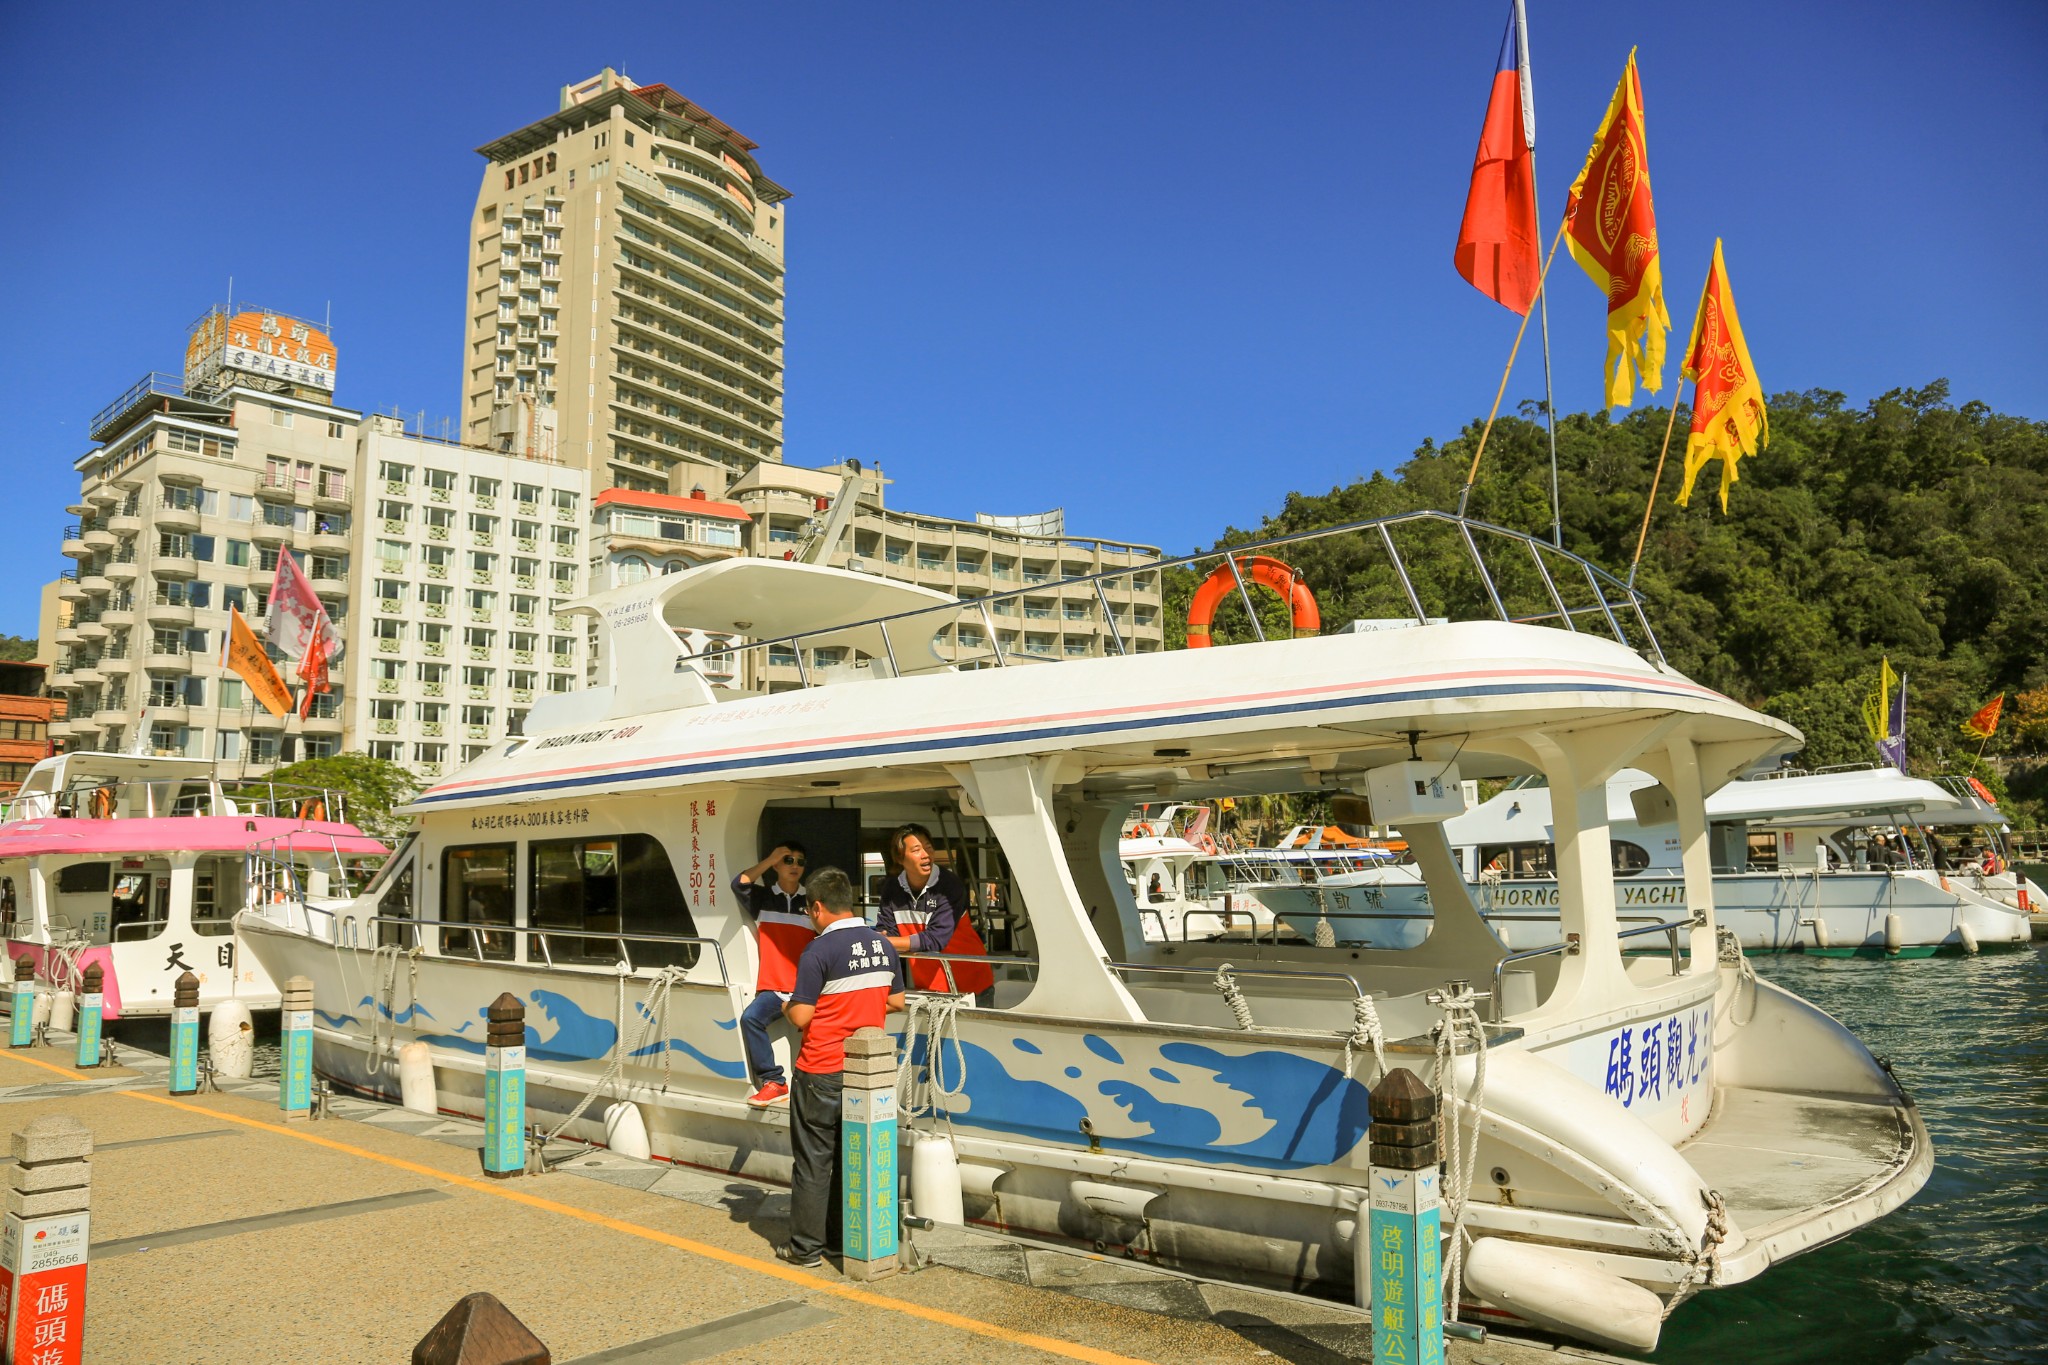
<point>1688,793</point>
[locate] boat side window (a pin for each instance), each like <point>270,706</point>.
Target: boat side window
<point>396,901</point>
<point>210,914</point>
<point>476,888</point>
<point>1516,861</point>
<point>1629,858</point>
<point>84,877</point>
<point>1763,850</point>
<point>620,886</point>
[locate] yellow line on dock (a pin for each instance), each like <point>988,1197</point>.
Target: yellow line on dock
<point>1050,1345</point>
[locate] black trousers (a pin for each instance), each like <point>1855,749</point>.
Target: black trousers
<point>815,1215</point>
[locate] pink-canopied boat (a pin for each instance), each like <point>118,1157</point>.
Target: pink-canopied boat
<point>139,863</point>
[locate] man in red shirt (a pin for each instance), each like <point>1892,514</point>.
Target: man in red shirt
<point>778,907</point>
<point>845,981</point>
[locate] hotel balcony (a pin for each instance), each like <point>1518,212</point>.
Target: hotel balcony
<point>121,570</point>
<point>124,524</point>
<point>179,661</point>
<point>174,566</point>
<point>69,588</point>
<point>177,514</point>
<point>74,544</point>
<point>167,614</point>
<point>99,538</point>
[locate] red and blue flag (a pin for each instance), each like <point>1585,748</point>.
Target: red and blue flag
<point>1498,251</point>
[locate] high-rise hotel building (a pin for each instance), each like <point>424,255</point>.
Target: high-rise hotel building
<point>625,293</point>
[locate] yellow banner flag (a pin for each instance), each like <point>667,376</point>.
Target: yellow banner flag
<point>1729,419</point>
<point>245,657</point>
<point>1610,226</point>
<point>1877,707</point>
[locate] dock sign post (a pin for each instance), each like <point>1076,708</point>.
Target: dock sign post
<point>1402,1258</point>
<point>295,1081</point>
<point>22,1003</point>
<point>43,1242</point>
<point>90,1003</point>
<point>185,1035</point>
<point>867,1155</point>
<point>505,1088</point>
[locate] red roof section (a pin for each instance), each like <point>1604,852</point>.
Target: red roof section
<point>664,502</point>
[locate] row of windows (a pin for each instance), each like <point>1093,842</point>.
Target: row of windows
<point>605,885</point>
<point>481,486</point>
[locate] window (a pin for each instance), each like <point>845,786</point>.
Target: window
<point>230,748</point>
<point>433,674</point>
<point>394,473</point>
<point>392,510</point>
<point>565,500</point>
<point>279,417</point>
<point>613,884</point>
<point>392,554</point>
<point>431,712</point>
<point>481,487</point>
<point>384,628</point>
<point>231,693</point>
<point>240,506</point>
<point>80,878</point>
<point>481,524</point>
<point>442,480</point>
<point>334,431</point>
<point>391,751</point>
<point>476,889</point>
<point>477,677</point>
<point>482,561</point>
<point>478,638</point>
<point>236,597</point>
<point>565,539</point>
<point>525,492</point>
<point>238,554</point>
<point>477,715</point>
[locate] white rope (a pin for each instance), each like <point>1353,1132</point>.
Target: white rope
<point>1233,996</point>
<point>1728,949</point>
<point>653,1021</point>
<point>925,1090</point>
<point>61,962</point>
<point>1366,1031</point>
<point>384,1004</point>
<point>1461,1155</point>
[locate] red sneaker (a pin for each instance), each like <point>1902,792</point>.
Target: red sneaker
<point>775,1092</point>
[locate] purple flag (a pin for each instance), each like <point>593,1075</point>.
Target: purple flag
<point>1892,748</point>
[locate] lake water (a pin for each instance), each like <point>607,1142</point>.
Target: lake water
<point>1961,1272</point>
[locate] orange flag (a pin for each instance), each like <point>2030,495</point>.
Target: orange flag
<point>313,668</point>
<point>1981,725</point>
<point>245,657</point>
<point>1729,419</point>
<point>1611,230</point>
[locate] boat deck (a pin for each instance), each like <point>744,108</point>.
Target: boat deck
<point>1793,1168</point>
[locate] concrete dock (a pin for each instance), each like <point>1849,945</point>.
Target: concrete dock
<point>222,1234</point>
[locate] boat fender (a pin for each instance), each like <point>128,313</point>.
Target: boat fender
<point>416,1078</point>
<point>935,1182</point>
<point>1820,932</point>
<point>1894,932</point>
<point>1969,937</point>
<point>1126,1202</point>
<point>63,1006</point>
<point>44,1005</point>
<point>231,1041</point>
<point>625,1131</point>
<point>1563,1294</point>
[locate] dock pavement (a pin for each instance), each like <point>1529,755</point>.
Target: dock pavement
<point>222,1234</point>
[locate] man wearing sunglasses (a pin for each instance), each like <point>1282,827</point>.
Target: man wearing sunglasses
<point>781,911</point>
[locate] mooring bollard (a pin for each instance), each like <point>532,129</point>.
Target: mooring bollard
<point>479,1330</point>
<point>1401,1263</point>
<point>295,1081</point>
<point>867,1155</point>
<point>22,1004</point>
<point>185,1035</point>
<point>43,1245</point>
<point>505,1088</point>
<point>90,1003</point>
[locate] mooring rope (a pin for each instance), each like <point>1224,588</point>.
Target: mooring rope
<point>1366,1031</point>
<point>653,1013</point>
<point>1233,996</point>
<point>384,962</point>
<point>1461,1155</point>
<point>933,1018</point>
<point>1705,1266</point>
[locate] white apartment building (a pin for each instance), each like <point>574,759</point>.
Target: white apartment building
<point>463,559</point>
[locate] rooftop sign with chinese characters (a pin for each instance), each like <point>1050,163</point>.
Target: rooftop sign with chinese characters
<point>270,345</point>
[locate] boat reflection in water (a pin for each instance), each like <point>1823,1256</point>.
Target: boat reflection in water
<point>1646,1128</point>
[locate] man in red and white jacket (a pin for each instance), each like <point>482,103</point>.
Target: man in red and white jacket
<point>781,911</point>
<point>845,982</point>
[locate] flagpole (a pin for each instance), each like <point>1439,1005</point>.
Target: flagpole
<point>1655,480</point>
<point>1472,474</point>
<point>1528,83</point>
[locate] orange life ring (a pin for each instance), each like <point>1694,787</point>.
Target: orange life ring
<point>1141,830</point>
<point>1208,846</point>
<point>313,809</point>
<point>1264,569</point>
<point>102,803</point>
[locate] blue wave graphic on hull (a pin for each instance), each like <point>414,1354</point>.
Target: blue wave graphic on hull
<point>576,1037</point>
<point>732,1071</point>
<point>335,1020</point>
<point>1318,1115</point>
<point>404,1016</point>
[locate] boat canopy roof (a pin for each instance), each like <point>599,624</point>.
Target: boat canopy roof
<point>91,768</point>
<point>183,834</point>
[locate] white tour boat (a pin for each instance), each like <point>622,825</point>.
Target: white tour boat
<point>1644,1129</point>
<point>1178,880</point>
<point>139,863</point>
<point>1838,863</point>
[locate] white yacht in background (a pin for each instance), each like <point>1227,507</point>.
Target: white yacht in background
<point>1644,1128</point>
<point>139,863</point>
<point>1178,878</point>
<point>1838,862</point>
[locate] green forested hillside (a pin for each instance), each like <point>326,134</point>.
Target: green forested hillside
<point>1911,528</point>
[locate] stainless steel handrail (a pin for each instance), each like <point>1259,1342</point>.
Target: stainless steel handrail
<point>945,961</point>
<point>477,930</point>
<point>1236,970</point>
<point>1570,947</point>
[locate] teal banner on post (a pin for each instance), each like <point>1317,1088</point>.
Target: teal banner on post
<point>184,1050</point>
<point>295,1089</point>
<point>1406,1266</point>
<point>867,1149</point>
<point>504,1108</point>
<point>89,1007</point>
<point>24,1017</point>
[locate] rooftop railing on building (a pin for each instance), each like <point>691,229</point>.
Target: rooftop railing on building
<point>1418,566</point>
<point>150,385</point>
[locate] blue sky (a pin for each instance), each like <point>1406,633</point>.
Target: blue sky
<point>1160,263</point>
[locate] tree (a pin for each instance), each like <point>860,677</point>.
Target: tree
<point>372,789</point>
<point>17,648</point>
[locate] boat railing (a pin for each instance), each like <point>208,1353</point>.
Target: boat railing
<point>1479,571</point>
<point>274,866</point>
<point>288,800</point>
<point>1291,973</point>
<point>1570,946</point>
<point>946,961</point>
<point>480,935</point>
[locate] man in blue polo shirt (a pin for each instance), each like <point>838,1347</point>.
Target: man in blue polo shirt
<point>846,980</point>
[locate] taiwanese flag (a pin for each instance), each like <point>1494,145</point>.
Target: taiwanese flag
<point>1498,253</point>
